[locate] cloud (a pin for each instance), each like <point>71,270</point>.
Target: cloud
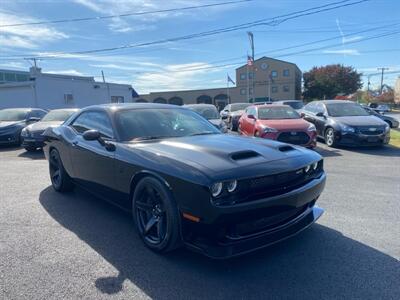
<point>14,65</point>
<point>28,37</point>
<point>66,72</point>
<point>343,52</point>
<point>176,77</point>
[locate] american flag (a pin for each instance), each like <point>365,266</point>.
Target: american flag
<point>250,60</point>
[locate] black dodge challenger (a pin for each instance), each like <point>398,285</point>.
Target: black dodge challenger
<point>184,182</point>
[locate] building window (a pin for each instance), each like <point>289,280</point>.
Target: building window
<point>251,75</point>
<point>117,99</point>
<point>274,74</point>
<point>68,98</point>
<point>9,77</point>
<point>286,73</point>
<point>274,89</point>
<point>286,88</point>
<point>243,76</point>
<point>242,91</point>
<point>250,91</point>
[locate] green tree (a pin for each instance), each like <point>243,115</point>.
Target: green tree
<point>329,81</point>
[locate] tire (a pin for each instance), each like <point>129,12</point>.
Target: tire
<point>156,215</point>
<point>234,127</point>
<point>30,149</point>
<point>256,134</point>
<point>229,125</point>
<point>330,137</point>
<point>60,180</point>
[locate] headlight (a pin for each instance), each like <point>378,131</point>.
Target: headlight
<point>216,189</point>
<point>269,130</point>
<point>24,132</point>
<point>231,186</point>
<point>387,128</point>
<point>346,128</point>
<point>314,166</point>
<point>307,168</point>
<point>311,128</point>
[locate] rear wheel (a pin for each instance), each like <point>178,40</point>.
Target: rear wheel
<point>60,180</point>
<point>330,137</point>
<point>156,215</point>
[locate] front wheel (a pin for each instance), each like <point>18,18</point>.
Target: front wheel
<point>330,137</point>
<point>60,180</point>
<point>156,215</point>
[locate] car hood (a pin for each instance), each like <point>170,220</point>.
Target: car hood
<point>360,121</point>
<point>41,126</point>
<point>222,156</point>
<point>5,124</point>
<point>285,124</point>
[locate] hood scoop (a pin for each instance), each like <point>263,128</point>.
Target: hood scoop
<point>285,148</point>
<point>244,155</point>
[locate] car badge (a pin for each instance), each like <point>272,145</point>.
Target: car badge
<point>372,129</point>
<point>293,133</point>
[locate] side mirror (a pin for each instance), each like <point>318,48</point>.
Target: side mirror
<point>91,135</point>
<point>251,117</point>
<point>32,120</point>
<point>320,114</point>
<point>94,135</point>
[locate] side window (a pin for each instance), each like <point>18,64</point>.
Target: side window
<point>319,107</point>
<point>93,120</point>
<point>40,113</point>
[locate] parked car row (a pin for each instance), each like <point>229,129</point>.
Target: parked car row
<point>24,126</point>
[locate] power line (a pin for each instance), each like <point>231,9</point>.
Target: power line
<point>273,21</point>
<point>126,14</point>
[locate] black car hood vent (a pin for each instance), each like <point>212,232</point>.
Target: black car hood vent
<point>286,148</point>
<point>244,155</point>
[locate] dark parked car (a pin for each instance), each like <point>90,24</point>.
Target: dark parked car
<point>13,120</point>
<point>31,135</point>
<point>209,112</point>
<point>295,104</point>
<point>184,181</point>
<point>392,122</point>
<point>232,113</point>
<point>346,123</point>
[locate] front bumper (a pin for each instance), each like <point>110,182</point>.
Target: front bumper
<point>355,139</point>
<point>9,138</point>
<point>246,227</point>
<point>33,142</point>
<point>311,143</point>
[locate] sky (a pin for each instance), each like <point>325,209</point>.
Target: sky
<point>365,36</point>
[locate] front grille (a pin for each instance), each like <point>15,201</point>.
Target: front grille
<point>370,130</point>
<point>294,137</point>
<point>269,186</point>
<point>36,134</point>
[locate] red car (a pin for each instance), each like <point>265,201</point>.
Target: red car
<point>278,122</point>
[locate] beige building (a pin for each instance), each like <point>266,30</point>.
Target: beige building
<point>397,91</point>
<point>267,78</point>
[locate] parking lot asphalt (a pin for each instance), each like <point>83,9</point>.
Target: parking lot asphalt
<point>71,246</point>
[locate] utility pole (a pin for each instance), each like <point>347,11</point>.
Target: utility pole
<point>383,70</point>
<point>251,40</point>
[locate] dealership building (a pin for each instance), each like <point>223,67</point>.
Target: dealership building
<point>265,78</point>
<point>50,91</point>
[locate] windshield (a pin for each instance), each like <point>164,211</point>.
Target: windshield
<point>239,106</point>
<point>275,113</point>
<point>57,115</point>
<point>206,112</point>
<point>7,115</point>
<point>345,110</point>
<point>142,124</point>
<point>295,104</point>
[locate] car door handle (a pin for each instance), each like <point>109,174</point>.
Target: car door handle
<point>74,143</point>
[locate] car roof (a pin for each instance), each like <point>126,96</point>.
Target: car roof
<point>199,105</point>
<point>273,105</point>
<point>281,101</point>
<point>64,109</point>
<point>333,101</point>
<point>23,108</point>
<point>112,107</point>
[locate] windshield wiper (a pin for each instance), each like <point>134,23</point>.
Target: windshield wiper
<point>203,133</point>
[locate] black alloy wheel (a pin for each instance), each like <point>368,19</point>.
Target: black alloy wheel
<point>60,180</point>
<point>156,215</point>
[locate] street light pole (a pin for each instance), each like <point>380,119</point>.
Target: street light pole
<point>383,70</point>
